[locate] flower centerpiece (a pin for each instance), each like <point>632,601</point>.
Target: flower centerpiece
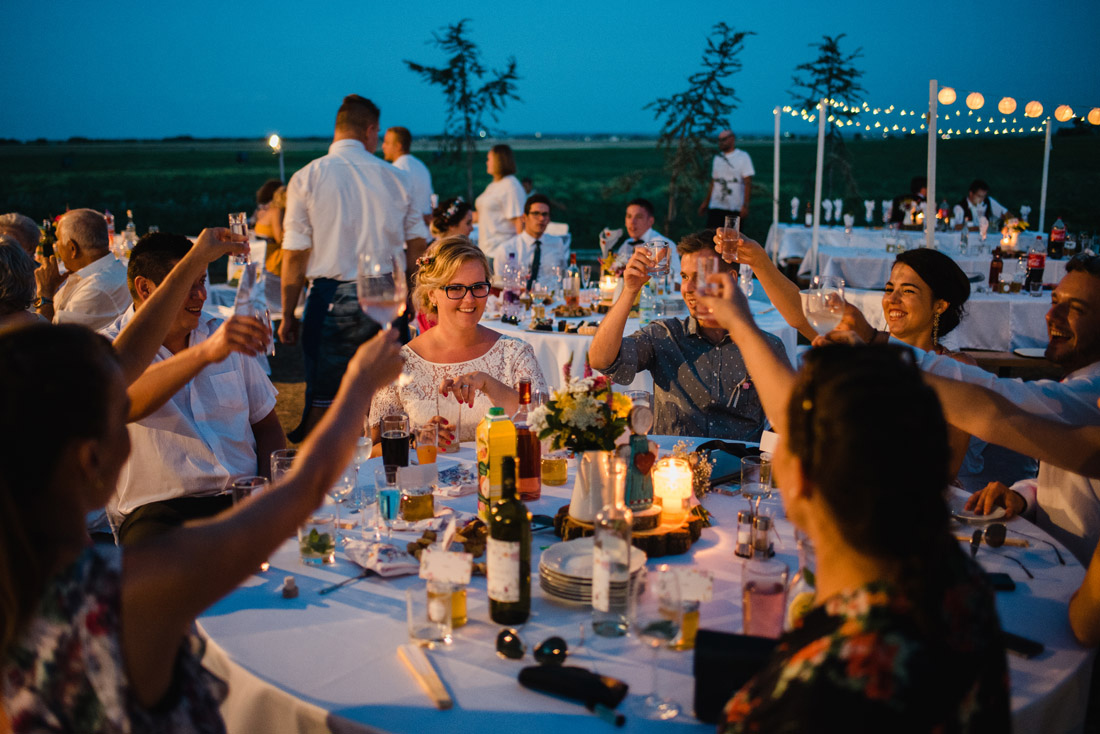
<point>587,417</point>
<point>1011,228</point>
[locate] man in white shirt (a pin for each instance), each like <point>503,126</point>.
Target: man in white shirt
<point>93,291</point>
<point>639,230</point>
<point>977,204</point>
<point>730,188</point>
<point>395,149</point>
<point>339,207</point>
<point>535,251</point>
<point>219,427</point>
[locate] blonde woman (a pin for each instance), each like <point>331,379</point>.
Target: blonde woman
<point>458,359</point>
<point>500,205</point>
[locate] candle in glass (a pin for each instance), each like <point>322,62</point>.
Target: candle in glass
<point>672,486</point>
<point>608,285</point>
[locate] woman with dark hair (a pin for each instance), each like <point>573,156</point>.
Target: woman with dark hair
<point>500,205</point>
<point>452,218</point>
<point>925,299</point>
<point>89,642</point>
<point>17,286</point>
<point>904,632</point>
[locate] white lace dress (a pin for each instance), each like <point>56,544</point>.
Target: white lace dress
<point>507,360</point>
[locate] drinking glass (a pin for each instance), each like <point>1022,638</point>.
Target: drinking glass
<point>381,287</point>
<point>238,224</point>
<point>705,266</point>
<point>586,275</point>
<point>450,410</point>
<point>429,614</point>
<point>823,303</point>
<point>389,496</point>
<point>317,538</point>
<point>763,596</point>
<point>755,480</point>
<point>395,439</point>
<point>744,280</point>
<point>640,397</point>
<point>427,443</point>
<point>656,618</point>
<point>731,237</point>
<point>281,462</point>
<point>658,253</point>
<point>339,492</point>
<point>242,488</point>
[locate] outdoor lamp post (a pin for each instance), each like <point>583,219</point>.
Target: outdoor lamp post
<point>276,144</point>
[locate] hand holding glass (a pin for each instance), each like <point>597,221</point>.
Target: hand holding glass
<point>731,237</point>
<point>382,289</point>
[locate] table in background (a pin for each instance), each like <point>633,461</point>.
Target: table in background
<point>328,663</point>
<point>554,349</point>
<point>996,322</point>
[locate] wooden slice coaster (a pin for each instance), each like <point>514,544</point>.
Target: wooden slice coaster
<point>656,541</point>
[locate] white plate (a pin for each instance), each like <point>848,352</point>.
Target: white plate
<point>574,558</point>
<point>973,518</point>
<point>1032,352</point>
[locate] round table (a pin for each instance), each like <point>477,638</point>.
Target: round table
<point>328,663</point>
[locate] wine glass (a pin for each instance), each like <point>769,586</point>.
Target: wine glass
<point>382,288</point>
<point>823,303</point>
<point>656,616</point>
<point>339,492</point>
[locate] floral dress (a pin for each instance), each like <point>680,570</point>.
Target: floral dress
<point>66,672</point>
<point>859,662</point>
<point>507,360</point>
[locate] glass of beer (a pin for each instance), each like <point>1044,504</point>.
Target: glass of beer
<point>395,439</point>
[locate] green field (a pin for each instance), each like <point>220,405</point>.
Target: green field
<point>185,185</point>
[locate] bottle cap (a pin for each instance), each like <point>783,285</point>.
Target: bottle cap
<point>496,411</point>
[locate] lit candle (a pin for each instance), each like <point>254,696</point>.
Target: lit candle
<point>608,284</point>
<point>672,487</point>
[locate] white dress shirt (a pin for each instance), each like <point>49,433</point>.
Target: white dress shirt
<point>93,296</point>
<point>199,440</point>
<point>346,203</point>
<point>500,202</point>
<point>728,173</point>
<point>421,179</point>
<point>554,253</point>
<point>629,244</point>
<point>1065,504</point>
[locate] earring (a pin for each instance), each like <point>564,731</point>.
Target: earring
<point>935,331</point>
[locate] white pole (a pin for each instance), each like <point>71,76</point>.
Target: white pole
<point>822,111</point>
<point>930,200</point>
<point>775,188</point>
<point>282,171</point>
<point>1043,192</point>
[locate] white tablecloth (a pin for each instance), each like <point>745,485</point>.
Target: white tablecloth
<point>320,663</point>
<point>554,349</point>
<point>993,321</point>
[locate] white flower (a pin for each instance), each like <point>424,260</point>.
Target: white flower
<point>537,419</point>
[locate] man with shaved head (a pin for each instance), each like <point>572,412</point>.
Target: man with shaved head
<point>93,290</point>
<point>22,229</point>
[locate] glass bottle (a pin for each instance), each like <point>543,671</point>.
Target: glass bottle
<point>803,584</point>
<point>571,287</point>
<point>508,553</point>
<point>611,554</point>
<point>528,447</point>
<point>995,268</point>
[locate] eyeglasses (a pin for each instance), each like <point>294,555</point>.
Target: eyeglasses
<point>457,292</point>
<point>552,651</point>
<point>994,538</point>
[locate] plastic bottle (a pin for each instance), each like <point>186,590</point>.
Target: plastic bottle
<point>498,435</point>
<point>1036,264</point>
<point>1056,247</point>
<point>647,304</point>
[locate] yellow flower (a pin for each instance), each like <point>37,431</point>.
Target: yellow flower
<point>621,405</point>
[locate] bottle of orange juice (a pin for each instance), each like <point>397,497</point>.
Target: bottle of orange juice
<point>496,438</point>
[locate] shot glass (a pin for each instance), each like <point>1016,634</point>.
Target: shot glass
<point>658,253</point>
<point>764,596</point>
<point>241,489</point>
<point>731,237</point>
<point>429,610</point>
<point>281,461</point>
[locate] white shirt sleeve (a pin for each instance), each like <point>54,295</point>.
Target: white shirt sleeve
<point>747,169</point>
<point>414,219</point>
<point>514,199</point>
<point>261,393</point>
<point>297,228</point>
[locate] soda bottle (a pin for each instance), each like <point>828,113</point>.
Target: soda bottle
<point>1056,246</point>
<point>571,287</point>
<point>1036,265</point>
<point>995,268</point>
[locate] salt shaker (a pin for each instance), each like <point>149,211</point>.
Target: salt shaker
<point>743,547</point>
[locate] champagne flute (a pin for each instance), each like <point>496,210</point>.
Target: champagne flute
<point>586,274</point>
<point>656,617</point>
<point>382,289</point>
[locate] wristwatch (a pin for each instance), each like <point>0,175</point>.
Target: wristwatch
<point>41,301</point>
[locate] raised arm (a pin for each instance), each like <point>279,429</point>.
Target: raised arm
<point>771,372</point>
<point>169,580</point>
<point>782,292</point>
<point>139,341</point>
<point>609,336</point>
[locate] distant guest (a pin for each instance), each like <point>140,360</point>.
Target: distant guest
<point>918,190</point>
<point>730,189</point>
<point>500,205</point>
<point>977,204</point>
<point>23,229</point>
<point>452,218</point>
<point>395,149</point>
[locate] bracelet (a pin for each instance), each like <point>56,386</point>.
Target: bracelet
<point>41,301</point>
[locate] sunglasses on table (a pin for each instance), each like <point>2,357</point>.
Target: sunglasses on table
<point>994,537</point>
<point>552,651</point>
<point>456,292</point>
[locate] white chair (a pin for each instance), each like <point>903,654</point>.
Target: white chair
<point>560,229</point>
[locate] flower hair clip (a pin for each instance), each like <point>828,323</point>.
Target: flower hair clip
<point>453,208</point>
<point>424,261</point>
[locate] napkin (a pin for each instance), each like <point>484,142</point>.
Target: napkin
<point>794,207</point>
<point>382,558</point>
<point>437,523</point>
<point>1025,213</point>
<point>608,239</point>
<point>869,208</point>
<point>887,210</point>
<point>849,220</point>
<point>457,481</point>
<point>827,205</point>
<point>838,206</point>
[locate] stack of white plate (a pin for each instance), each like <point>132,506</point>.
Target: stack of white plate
<point>565,572</point>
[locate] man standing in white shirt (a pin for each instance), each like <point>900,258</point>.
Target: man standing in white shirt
<point>93,291</point>
<point>340,206</point>
<point>395,149</point>
<point>977,204</point>
<point>730,183</point>
<point>535,251</point>
<point>220,426</point>
<point>639,230</point>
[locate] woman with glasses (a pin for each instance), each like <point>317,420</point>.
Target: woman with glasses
<point>458,359</point>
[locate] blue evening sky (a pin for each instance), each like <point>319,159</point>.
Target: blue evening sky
<point>148,69</point>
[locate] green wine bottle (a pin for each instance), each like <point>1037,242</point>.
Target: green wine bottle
<point>509,553</point>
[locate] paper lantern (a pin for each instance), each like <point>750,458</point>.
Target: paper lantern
<point>946,96</point>
<point>1006,106</point>
<point>1033,109</point>
<point>1064,113</point>
<point>975,100</point>
<point>1094,115</point>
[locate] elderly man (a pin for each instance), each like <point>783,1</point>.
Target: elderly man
<point>700,383</point>
<point>340,206</point>
<point>93,290</point>
<point>23,229</point>
<point>535,251</point>
<point>639,230</point>
<point>219,427</point>
<point>395,149</point>
<point>730,189</point>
